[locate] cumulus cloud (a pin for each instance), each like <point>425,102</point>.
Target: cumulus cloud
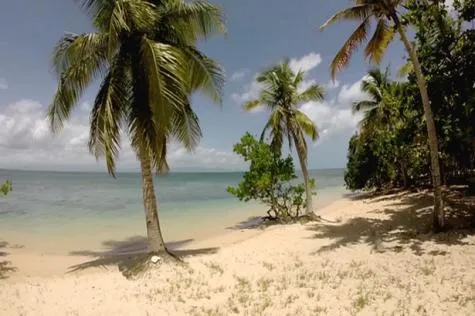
<point>251,92</point>
<point>334,116</point>
<point>305,63</point>
<point>27,143</point>
<point>238,75</point>
<point>351,93</point>
<point>332,85</point>
<point>3,84</point>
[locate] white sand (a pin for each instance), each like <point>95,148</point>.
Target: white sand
<point>364,259</point>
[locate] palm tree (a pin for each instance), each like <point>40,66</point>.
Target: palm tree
<point>376,109</point>
<point>382,112</point>
<point>144,53</point>
<point>386,14</point>
<point>282,96</point>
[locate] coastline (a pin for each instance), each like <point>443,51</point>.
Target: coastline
<point>31,259</point>
<point>364,257</point>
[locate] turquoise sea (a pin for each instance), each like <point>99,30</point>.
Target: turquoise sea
<point>57,211</point>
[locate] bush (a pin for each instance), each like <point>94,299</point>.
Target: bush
<point>6,187</point>
<point>269,180</point>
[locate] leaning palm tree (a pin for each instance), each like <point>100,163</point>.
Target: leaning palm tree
<point>282,96</point>
<point>387,17</point>
<point>144,53</point>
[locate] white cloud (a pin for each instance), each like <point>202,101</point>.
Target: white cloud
<point>306,63</point>
<point>332,85</point>
<point>238,75</point>
<point>3,84</point>
<point>27,143</point>
<point>351,93</point>
<point>251,92</point>
<point>334,116</point>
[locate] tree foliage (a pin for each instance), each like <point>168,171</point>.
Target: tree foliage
<point>6,187</point>
<point>390,148</point>
<point>446,45</point>
<point>144,53</point>
<point>269,180</point>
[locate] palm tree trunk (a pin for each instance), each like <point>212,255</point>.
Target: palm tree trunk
<point>303,166</point>
<point>154,234</point>
<point>438,215</point>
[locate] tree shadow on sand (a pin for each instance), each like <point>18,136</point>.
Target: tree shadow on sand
<point>131,255</point>
<point>5,265</point>
<point>406,225</point>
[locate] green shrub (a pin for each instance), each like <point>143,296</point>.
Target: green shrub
<point>269,180</point>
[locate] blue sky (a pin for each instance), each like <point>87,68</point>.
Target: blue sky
<point>260,33</point>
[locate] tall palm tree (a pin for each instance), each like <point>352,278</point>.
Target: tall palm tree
<point>282,96</point>
<point>376,109</point>
<point>386,15</point>
<point>382,112</point>
<point>145,54</point>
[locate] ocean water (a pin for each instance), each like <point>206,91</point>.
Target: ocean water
<point>61,211</point>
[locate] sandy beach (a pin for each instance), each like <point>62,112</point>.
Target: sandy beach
<point>368,256</point>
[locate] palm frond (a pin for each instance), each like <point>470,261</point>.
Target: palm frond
<point>365,105</point>
<point>186,128</point>
<point>145,134</point>
<point>358,13</point>
<point>377,45</point>
<point>275,127</point>
<point>108,113</point>
<point>77,60</point>
<point>251,105</point>
<point>165,67</point>
<point>299,77</point>
<point>342,58</point>
<point>205,74</point>
<point>304,123</point>
<point>312,93</point>
<point>201,18</point>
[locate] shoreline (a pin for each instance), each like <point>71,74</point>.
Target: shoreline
<point>30,262</point>
<point>367,256</point>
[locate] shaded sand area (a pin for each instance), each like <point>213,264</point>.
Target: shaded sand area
<point>368,256</point>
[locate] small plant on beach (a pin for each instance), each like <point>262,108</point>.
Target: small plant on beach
<point>6,187</point>
<point>215,268</point>
<point>361,301</point>
<point>268,180</point>
<point>269,266</point>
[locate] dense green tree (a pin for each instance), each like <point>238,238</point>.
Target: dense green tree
<point>388,21</point>
<point>395,148</point>
<point>281,94</point>
<point>446,46</point>
<point>268,180</point>
<point>144,52</point>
